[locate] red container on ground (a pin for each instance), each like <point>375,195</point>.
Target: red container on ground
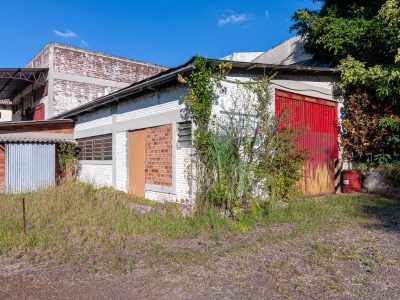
<point>351,181</point>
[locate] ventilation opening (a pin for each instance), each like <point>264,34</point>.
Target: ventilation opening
<point>185,134</point>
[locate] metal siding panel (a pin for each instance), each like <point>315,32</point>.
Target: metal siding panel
<point>318,118</point>
<point>29,167</point>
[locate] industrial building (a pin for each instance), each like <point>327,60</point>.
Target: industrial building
<point>137,139</point>
<point>127,118</point>
<point>57,79</point>
<point>61,77</point>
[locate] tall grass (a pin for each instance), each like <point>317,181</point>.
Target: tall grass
<point>76,223</point>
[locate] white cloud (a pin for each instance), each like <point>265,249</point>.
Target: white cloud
<point>68,34</point>
<point>266,13</point>
<point>230,17</point>
<point>83,43</point>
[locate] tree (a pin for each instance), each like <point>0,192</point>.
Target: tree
<point>362,39</point>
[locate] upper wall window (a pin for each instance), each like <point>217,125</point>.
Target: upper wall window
<point>95,147</point>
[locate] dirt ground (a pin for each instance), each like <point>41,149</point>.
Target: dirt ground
<point>357,261</point>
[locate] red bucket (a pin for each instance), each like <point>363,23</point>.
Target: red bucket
<point>351,181</point>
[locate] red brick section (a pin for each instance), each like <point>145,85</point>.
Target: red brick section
<point>93,66</point>
<point>71,94</point>
<point>158,166</point>
<point>104,66</point>
<point>41,60</point>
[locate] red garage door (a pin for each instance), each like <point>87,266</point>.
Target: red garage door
<point>317,118</point>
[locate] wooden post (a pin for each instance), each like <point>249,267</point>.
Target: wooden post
<point>23,214</point>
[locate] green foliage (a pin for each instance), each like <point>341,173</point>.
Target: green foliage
<point>67,156</point>
<point>361,38</point>
<point>239,151</point>
<point>365,30</point>
<point>281,172</point>
<point>202,84</point>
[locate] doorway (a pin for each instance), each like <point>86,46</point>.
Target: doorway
<point>136,161</point>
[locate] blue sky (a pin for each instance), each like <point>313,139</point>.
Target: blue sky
<point>163,32</point>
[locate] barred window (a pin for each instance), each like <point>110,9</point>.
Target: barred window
<point>95,147</point>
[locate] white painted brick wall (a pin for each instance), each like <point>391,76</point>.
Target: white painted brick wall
<point>151,105</point>
<point>121,162</point>
<point>183,165</point>
<point>99,175</point>
<point>160,197</point>
<point>96,119</point>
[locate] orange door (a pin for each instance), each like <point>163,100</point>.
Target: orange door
<point>136,160</point>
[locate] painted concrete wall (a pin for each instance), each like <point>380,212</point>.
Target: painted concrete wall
<point>97,173</point>
<point>289,52</point>
<point>5,114</point>
<point>242,56</point>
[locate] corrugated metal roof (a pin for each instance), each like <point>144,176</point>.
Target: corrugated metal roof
<point>15,80</point>
<point>170,76</point>
<point>35,140</point>
<point>5,102</point>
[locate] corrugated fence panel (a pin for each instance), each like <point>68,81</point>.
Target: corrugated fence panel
<point>29,167</point>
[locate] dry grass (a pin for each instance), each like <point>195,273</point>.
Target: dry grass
<point>75,223</point>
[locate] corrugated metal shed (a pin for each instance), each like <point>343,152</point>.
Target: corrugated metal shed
<point>29,167</point>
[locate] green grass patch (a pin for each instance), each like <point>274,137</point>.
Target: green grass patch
<point>77,223</point>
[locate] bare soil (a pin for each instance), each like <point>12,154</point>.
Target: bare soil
<point>361,260</point>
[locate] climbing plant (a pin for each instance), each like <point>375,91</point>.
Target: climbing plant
<point>67,156</point>
<point>240,154</point>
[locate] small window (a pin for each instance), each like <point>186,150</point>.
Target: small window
<point>95,148</point>
<point>185,134</point>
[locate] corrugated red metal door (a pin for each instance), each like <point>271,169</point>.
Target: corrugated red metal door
<point>317,118</point>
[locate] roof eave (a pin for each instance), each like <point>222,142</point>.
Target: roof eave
<point>170,76</point>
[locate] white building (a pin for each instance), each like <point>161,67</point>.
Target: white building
<point>136,139</point>
<point>290,52</point>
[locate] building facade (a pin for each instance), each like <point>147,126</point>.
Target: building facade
<point>138,140</point>
<point>75,76</point>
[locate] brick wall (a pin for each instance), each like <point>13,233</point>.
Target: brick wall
<point>80,76</point>
<point>41,60</point>
<point>71,94</point>
<point>158,167</point>
<point>96,65</point>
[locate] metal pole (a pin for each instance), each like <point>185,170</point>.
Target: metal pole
<point>23,213</point>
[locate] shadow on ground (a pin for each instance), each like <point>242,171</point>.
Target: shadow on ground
<point>386,211</point>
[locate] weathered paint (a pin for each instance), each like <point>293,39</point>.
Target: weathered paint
<point>29,167</point>
<point>317,119</point>
<point>38,113</point>
<point>136,160</point>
